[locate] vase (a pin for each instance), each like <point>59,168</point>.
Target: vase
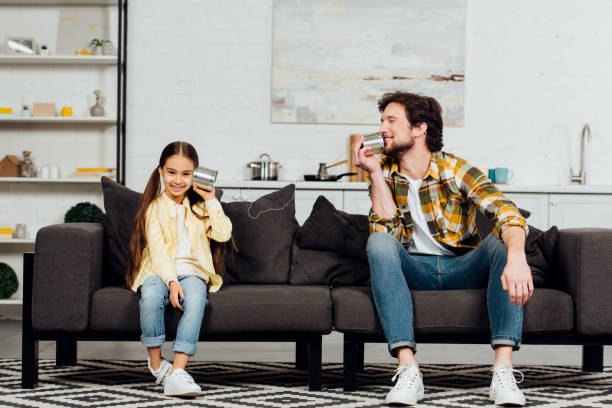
<point>98,50</point>
<point>97,109</point>
<point>108,49</point>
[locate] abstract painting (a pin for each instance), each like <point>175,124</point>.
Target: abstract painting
<point>332,60</point>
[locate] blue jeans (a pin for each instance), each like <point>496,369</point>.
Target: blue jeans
<point>394,272</point>
<point>154,297</point>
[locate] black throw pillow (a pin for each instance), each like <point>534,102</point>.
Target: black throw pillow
<point>121,205</point>
<point>328,229</point>
<point>311,267</point>
<point>485,225</point>
<point>263,231</point>
<point>540,249</point>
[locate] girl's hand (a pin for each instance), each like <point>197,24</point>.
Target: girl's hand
<point>206,195</point>
<point>175,292</point>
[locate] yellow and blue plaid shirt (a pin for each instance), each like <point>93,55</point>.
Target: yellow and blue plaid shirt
<point>450,194</point>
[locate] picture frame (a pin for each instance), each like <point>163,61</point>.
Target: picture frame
<point>20,45</point>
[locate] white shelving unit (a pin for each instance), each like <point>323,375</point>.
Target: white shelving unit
<point>67,142</point>
<point>105,120</point>
<point>59,59</point>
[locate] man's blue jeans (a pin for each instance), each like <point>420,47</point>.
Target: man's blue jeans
<point>154,297</point>
<point>394,271</point>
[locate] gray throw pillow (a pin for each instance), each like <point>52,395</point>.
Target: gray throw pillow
<point>263,231</point>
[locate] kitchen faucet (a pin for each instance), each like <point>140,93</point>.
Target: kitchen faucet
<point>580,178</point>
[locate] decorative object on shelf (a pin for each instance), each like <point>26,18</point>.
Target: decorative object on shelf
<point>95,172</point>
<point>82,212</point>
<point>108,48</point>
<point>44,50</point>
<point>6,232</point>
<point>19,45</point>
<point>96,45</point>
<point>43,109</point>
<point>82,52</point>
<point>6,111</point>
<point>44,171</point>
<point>66,111</point>
<point>8,281</point>
<point>25,111</point>
<point>20,231</point>
<point>26,167</point>
<point>54,171</point>
<point>9,166</point>
<point>97,109</point>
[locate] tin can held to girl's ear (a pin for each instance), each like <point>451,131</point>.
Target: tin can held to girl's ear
<point>375,142</point>
<point>205,178</point>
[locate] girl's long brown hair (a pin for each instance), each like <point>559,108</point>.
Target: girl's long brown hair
<point>138,242</point>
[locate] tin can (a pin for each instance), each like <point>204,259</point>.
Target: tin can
<point>205,178</point>
<point>375,142</point>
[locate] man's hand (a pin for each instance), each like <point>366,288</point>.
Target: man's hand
<point>516,279</point>
<point>175,292</point>
<point>371,164</point>
<point>206,195</point>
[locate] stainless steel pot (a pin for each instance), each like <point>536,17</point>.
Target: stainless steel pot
<point>264,169</point>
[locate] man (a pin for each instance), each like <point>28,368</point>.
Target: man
<point>424,237</point>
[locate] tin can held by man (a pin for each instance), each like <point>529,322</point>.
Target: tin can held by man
<point>375,142</point>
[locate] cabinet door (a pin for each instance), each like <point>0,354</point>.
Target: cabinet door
<point>537,204</point>
<point>357,202</point>
<point>581,210</point>
<point>304,200</point>
<point>231,194</point>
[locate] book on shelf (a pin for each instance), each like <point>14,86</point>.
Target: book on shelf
<point>94,172</point>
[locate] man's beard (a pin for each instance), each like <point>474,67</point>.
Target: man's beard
<point>397,150</point>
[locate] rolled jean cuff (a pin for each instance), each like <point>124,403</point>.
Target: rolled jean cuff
<point>153,341</point>
<point>181,346</point>
<point>401,343</point>
<point>506,341</point>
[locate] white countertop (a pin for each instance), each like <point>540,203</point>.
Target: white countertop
<point>347,185</point>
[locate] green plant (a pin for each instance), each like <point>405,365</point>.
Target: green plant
<point>8,281</point>
<point>98,94</point>
<point>26,107</point>
<point>82,212</point>
<point>98,42</point>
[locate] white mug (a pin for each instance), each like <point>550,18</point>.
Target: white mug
<point>45,171</point>
<point>54,171</point>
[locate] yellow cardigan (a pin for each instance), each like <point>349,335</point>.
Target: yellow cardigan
<point>158,256</point>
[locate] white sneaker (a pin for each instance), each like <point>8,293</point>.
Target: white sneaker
<point>161,373</point>
<point>504,390</point>
<point>409,386</point>
<point>180,384</point>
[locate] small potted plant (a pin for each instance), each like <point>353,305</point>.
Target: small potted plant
<point>25,111</point>
<point>97,109</point>
<point>97,44</point>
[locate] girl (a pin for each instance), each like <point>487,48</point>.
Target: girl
<point>170,260</point>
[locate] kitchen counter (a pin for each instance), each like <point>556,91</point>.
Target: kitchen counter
<point>345,185</point>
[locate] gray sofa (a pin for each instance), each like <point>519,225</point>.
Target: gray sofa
<point>67,300</point>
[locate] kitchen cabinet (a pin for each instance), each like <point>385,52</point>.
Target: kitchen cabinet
<point>581,210</point>
<point>536,204</point>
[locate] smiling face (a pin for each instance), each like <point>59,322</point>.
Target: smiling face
<point>395,129</point>
<point>177,174</point>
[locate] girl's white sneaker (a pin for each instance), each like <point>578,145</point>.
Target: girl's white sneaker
<point>180,384</point>
<point>161,373</point>
<point>504,390</point>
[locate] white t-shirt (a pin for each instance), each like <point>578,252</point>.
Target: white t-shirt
<point>183,259</point>
<point>422,241</point>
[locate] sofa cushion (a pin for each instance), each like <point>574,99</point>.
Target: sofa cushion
<point>451,311</point>
<point>233,309</point>
<point>310,267</point>
<point>263,231</point>
<point>328,229</point>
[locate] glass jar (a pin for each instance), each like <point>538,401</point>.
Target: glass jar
<point>26,167</point>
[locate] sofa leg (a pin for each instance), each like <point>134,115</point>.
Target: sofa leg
<point>314,364</point>
<point>592,357</point>
<point>29,344</point>
<point>350,363</point>
<point>301,354</point>
<point>65,352</point>
<point>360,356</point>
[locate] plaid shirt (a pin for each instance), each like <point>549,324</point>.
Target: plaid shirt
<point>451,192</point>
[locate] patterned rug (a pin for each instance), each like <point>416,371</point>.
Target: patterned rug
<point>95,383</point>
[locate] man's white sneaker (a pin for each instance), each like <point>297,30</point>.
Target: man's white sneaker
<point>161,373</point>
<point>504,390</point>
<point>409,386</point>
<point>180,384</point>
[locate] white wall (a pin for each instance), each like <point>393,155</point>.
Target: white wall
<point>536,71</point>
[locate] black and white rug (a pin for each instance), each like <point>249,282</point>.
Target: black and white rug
<point>94,383</point>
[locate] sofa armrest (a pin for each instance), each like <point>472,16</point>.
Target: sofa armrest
<point>584,266</point>
<point>67,270</point>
